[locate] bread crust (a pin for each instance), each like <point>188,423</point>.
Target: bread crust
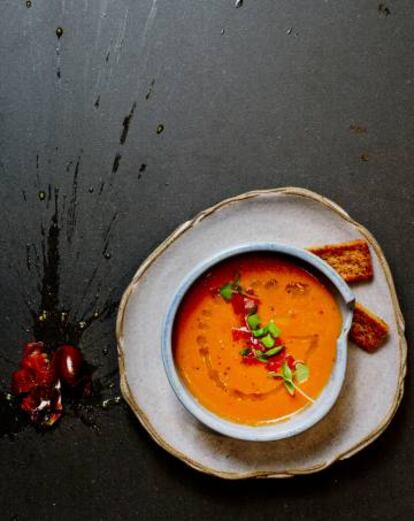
<point>352,260</point>
<point>368,330</point>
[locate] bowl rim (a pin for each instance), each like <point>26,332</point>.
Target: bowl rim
<point>311,414</point>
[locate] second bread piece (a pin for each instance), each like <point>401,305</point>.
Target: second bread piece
<point>368,330</point>
<point>352,260</point>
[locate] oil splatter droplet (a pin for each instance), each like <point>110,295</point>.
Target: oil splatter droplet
<point>107,255</point>
<point>97,102</point>
<point>59,32</point>
<point>28,4</point>
<point>384,10</point>
<point>364,157</point>
<point>148,94</point>
<point>239,3</point>
<point>90,189</point>
<point>142,167</point>
<point>117,160</point>
<point>126,123</point>
<point>160,128</point>
<point>42,195</point>
<point>105,351</point>
<point>358,129</point>
<point>222,31</point>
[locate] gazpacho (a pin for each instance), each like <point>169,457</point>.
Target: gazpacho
<point>254,338</point>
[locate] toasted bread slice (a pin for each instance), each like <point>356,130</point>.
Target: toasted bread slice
<point>352,260</point>
<point>368,330</point>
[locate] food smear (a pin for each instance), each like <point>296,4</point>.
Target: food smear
<point>254,339</point>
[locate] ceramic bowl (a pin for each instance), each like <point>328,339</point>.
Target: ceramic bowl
<point>303,419</point>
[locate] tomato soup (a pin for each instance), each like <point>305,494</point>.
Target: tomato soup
<point>254,338</point>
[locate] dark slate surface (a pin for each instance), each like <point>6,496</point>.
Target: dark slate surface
<point>253,97</point>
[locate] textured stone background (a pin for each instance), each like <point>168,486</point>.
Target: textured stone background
<point>141,114</point>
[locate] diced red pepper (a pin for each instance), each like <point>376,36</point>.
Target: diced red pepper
<point>237,302</point>
<point>290,361</point>
<point>274,365</point>
<point>250,359</point>
<point>250,306</point>
<point>241,333</point>
<point>256,344</point>
<point>250,293</point>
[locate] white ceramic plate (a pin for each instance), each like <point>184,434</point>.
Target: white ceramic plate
<point>288,215</point>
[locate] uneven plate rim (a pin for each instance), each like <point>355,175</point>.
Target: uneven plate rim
<point>402,343</point>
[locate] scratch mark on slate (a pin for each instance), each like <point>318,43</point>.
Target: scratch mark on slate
<point>49,195</point>
<point>28,258</point>
<point>71,222</point>
<point>37,170</point>
<point>109,230</point>
<point>149,21</point>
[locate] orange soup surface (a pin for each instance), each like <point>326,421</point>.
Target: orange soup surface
<point>245,323</point>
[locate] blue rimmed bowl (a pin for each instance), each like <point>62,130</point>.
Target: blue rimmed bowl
<point>303,419</point>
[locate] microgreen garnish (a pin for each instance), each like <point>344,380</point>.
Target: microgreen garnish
<point>301,372</point>
<point>288,377</point>
<point>273,329</point>
<point>274,351</point>
<point>268,341</point>
<point>263,341</point>
<point>260,356</point>
<point>253,321</point>
<point>286,371</point>
<point>290,387</point>
<point>227,291</point>
<point>259,332</point>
